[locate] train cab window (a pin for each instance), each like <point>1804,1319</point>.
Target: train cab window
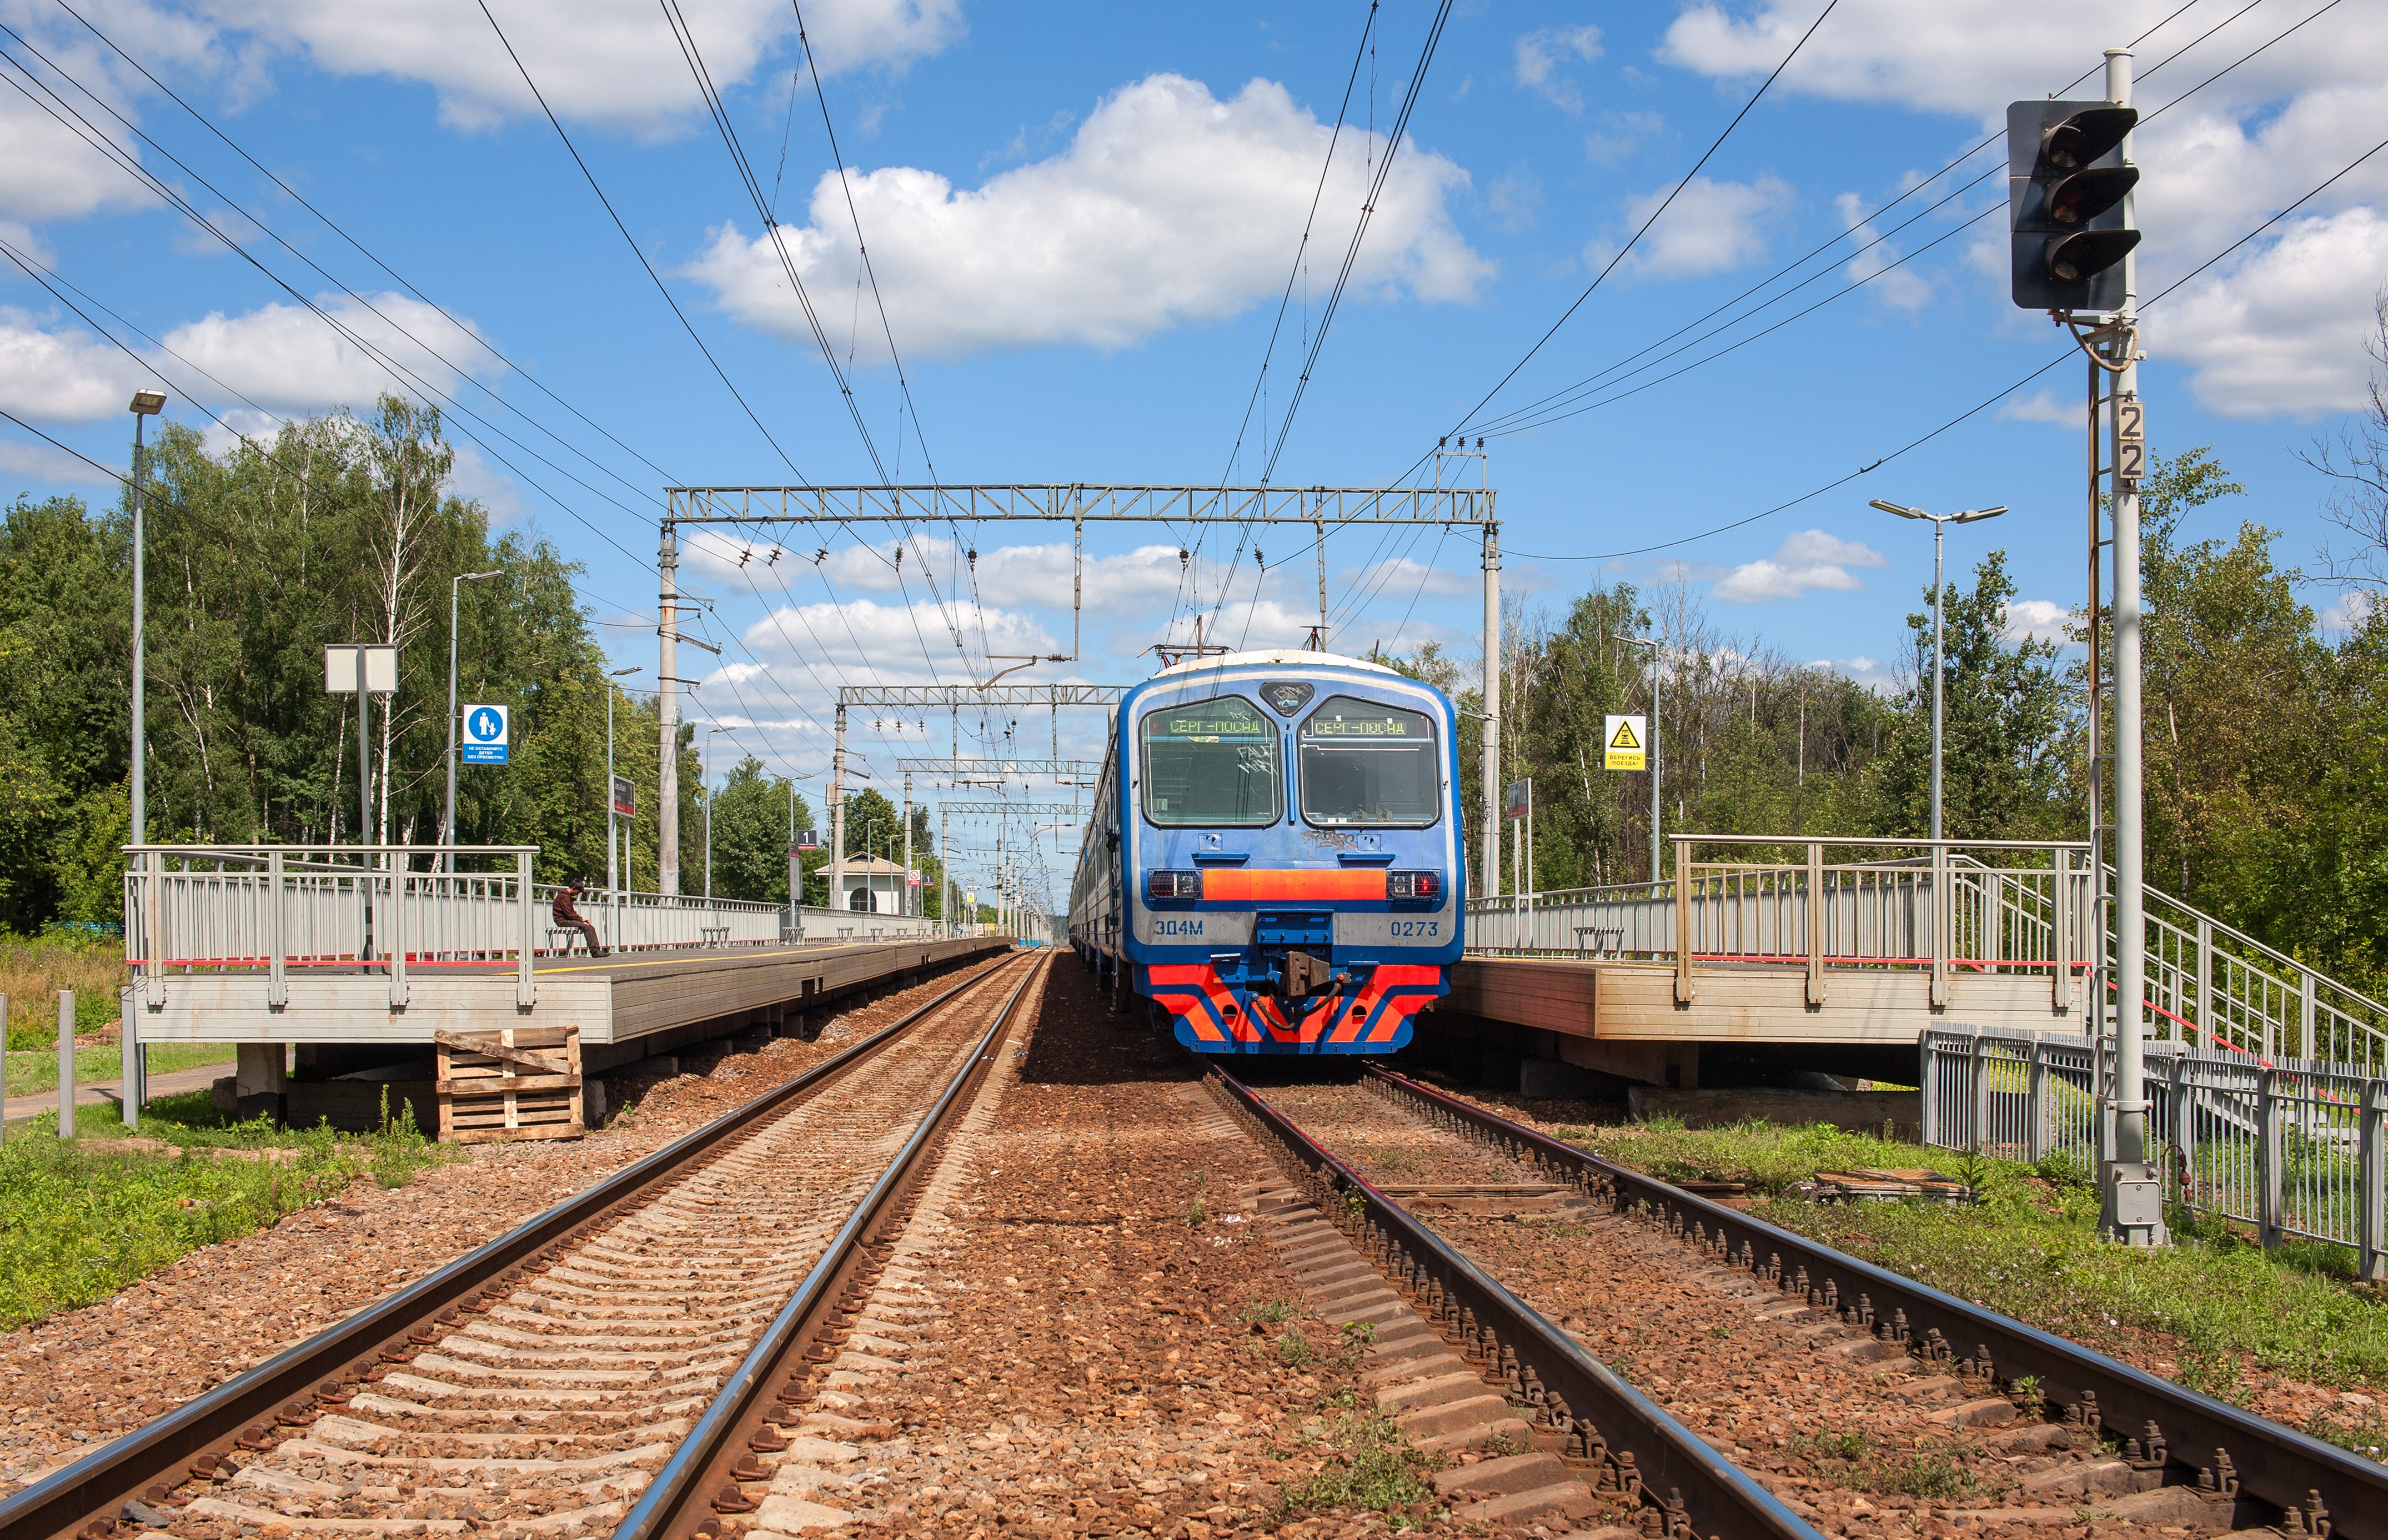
<point>1211,763</point>
<point>1364,762</point>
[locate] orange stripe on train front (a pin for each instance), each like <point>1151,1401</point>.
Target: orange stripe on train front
<point>1279,886</point>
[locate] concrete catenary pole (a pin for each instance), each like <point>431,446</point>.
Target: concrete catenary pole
<point>2131,1204</point>
<point>905,907</point>
<point>837,818</point>
<point>667,711</point>
<point>1492,708</point>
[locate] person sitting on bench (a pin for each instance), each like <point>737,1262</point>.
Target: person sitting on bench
<point>567,918</point>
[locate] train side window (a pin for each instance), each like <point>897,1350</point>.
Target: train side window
<point>1364,762</point>
<point>1211,763</point>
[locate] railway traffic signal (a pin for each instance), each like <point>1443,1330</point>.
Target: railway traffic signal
<point>2067,214</point>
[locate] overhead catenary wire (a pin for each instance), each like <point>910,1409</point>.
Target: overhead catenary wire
<point>692,54</point>
<point>636,250</point>
<point>1977,409</point>
<point>397,277</point>
<point>1828,245</point>
<point>407,378</point>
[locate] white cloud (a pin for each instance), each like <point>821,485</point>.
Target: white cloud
<point>1710,227</point>
<point>2041,406</point>
<point>1542,54</point>
<point>64,375</point>
<point>2037,619</point>
<point>2273,332</point>
<point>40,463</point>
<point>281,357</point>
<point>885,641</point>
<point>605,61</point>
<point>1899,288</point>
<point>2281,333</point>
<point>2353,607</point>
<point>1877,675</point>
<point>1169,207</point>
<point>1808,560</point>
<point>285,357</point>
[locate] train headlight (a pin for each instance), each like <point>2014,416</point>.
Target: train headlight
<point>1414,888</point>
<point>1183,887</point>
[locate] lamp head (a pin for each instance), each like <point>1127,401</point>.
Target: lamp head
<point>621,672</point>
<point>1890,507</point>
<point>1973,516</point>
<point>148,403</point>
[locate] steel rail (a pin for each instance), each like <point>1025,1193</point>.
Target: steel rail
<point>702,1467</point>
<point>2262,1469</point>
<point>87,1495</point>
<point>1625,1445</point>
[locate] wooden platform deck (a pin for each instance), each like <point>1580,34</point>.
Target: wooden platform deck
<point>1621,1017</point>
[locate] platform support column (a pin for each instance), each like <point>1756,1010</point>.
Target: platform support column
<point>261,1079</point>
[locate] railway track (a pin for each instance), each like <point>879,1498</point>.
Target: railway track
<point>605,1367</point>
<point>2084,1429</point>
<point>1629,1451</point>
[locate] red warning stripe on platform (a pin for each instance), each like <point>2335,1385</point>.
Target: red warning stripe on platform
<point>1314,885</point>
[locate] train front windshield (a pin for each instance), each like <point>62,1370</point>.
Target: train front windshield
<point>1366,763</point>
<point>1211,764</point>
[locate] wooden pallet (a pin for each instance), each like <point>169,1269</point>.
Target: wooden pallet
<point>508,1085</point>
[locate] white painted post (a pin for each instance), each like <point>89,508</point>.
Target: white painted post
<point>395,936</point>
<point>153,925</point>
<point>2204,1014</point>
<point>1684,989</point>
<point>2268,1158</point>
<point>66,1064</point>
<point>135,1088</point>
<point>277,977</point>
<point>525,991</point>
<point>2060,921</point>
<point>1980,1097</point>
<point>1939,916</point>
<point>2035,1099</point>
<point>2372,1255</point>
<point>1815,923</point>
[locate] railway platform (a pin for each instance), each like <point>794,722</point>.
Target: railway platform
<point>345,966</point>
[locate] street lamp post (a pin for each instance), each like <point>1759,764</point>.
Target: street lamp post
<point>1650,749</point>
<point>448,810</point>
<point>1939,675</point>
<point>146,403</point>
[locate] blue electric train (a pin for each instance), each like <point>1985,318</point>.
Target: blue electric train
<point>1274,858</point>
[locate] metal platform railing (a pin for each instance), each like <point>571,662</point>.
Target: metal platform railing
<point>2293,1148</point>
<point>2013,908</point>
<point>393,908</point>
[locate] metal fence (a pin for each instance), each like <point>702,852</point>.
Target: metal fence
<point>283,908</point>
<point>2291,1148</point>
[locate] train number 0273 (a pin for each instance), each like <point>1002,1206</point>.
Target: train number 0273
<point>1417,927</point>
<point>1176,927</point>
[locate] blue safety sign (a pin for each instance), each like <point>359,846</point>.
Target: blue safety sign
<point>485,735</point>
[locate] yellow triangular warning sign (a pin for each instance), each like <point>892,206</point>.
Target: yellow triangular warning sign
<point>1624,738</point>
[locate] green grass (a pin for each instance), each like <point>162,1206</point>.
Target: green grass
<point>1937,1469</point>
<point>1371,1467</point>
<point>2031,1249</point>
<point>79,1222</point>
<point>37,1070</point>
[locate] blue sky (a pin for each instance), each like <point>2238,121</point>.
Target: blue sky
<point>1081,218</point>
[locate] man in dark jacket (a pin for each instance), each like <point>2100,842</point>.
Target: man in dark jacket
<point>570,918</point>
